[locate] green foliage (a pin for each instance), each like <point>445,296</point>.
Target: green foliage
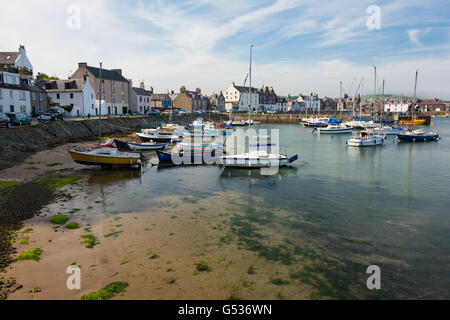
<point>89,240</point>
<point>59,219</point>
<point>108,292</point>
<point>32,254</point>
<point>73,226</point>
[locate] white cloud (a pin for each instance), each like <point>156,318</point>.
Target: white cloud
<point>169,45</point>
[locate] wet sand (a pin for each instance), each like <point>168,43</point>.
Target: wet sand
<point>176,231</point>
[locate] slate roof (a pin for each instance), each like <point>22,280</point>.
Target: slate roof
<point>142,92</point>
<point>106,74</point>
<point>245,89</point>
<point>75,85</point>
<point>8,57</point>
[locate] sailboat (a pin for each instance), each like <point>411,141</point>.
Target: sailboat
<point>107,155</point>
<point>417,135</point>
<point>255,158</point>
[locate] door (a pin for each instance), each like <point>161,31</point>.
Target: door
<point>11,109</point>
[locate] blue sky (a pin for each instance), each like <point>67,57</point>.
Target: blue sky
<point>300,46</point>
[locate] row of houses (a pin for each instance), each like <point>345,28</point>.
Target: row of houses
<point>88,91</point>
<point>93,90</point>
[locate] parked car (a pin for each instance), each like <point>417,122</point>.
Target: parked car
<point>56,113</point>
<point>45,117</point>
<point>184,112</point>
<point>4,121</point>
<point>154,112</point>
<point>19,119</point>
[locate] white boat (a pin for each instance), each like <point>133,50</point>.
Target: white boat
<point>367,139</point>
<point>158,135</point>
<point>390,131</point>
<point>258,158</point>
<point>335,129</point>
<point>360,125</point>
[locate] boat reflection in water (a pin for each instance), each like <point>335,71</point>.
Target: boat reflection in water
<point>255,176</point>
<point>113,177</point>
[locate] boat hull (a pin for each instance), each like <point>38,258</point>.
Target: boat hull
<point>195,158</point>
<point>143,147</point>
<point>146,139</point>
<point>335,131</point>
<point>315,125</point>
<point>87,159</point>
<point>417,138</point>
<point>366,143</point>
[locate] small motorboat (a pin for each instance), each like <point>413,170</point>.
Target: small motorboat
<point>367,139</point>
<point>107,155</point>
<point>257,159</point>
<point>390,131</point>
<point>418,136</point>
<point>334,129</point>
<point>316,123</point>
<point>186,154</point>
<point>158,136</point>
<point>149,146</point>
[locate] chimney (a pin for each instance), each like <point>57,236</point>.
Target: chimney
<point>183,89</point>
<point>199,91</point>
<point>82,65</point>
<point>22,49</point>
<point>119,71</point>
<point>142,85</point>
<point>151,89</point>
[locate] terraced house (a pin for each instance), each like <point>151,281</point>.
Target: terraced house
<point>115,89</point>
<point>141,99</point>
<point>14,96</point>
<point>191,100</point>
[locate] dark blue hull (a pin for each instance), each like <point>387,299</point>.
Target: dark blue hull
<point>419,138</point>
<point>192,159</point>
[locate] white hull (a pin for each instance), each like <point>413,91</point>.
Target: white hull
<point>370,142</point>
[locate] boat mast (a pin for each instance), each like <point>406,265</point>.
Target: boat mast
<point>414,101</point>
<point>100,109</point>
<point>250,99</point>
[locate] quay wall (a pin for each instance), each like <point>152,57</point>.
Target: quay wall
<point>18,143</point>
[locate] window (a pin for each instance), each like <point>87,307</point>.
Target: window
<point>57,96</point>
<point>1,96</point>
<point>23,109</point>
<point>1,108</point>
<point>11,94</point>
<point>22,95</point>
<point>71,96</point>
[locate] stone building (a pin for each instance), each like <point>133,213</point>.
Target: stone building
<point>115,89</point>
<point>191,100</point>
<point>217,102</point>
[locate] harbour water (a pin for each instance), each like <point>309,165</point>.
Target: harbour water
<point>322,222</point>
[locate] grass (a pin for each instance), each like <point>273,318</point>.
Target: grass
<point>32,254</point>
<point>278,281</point>
<point>59,219</point>
<point>251,270</point>
<point>203,267</point>
<point>54,183</point>
<point>7,184</point>
<point>113,233</point>
<point>24,241</point>
<point>88,229</point>
<point>89,240</point>
<point>74,210</point>
<point>29,230</point>
<point>108,292</point>
<point>73,226</point>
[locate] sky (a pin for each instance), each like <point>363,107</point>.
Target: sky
<point>304,46</point>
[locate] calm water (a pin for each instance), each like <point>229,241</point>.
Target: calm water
<point>338,210</point>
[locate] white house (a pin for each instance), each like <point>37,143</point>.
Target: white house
<point>141,99</point>
<point>14,97</point>
<point>311,103</point>
<point>76,94</point>
<point>238,97</point>
<point>397,107</point>
<point>16,60</point>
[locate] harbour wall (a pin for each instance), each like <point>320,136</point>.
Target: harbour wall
<point>18,143</point>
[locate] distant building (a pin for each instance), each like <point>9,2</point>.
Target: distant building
<point>16,60</point>
<point>268,99</point>
<point>141,99</point>
<point>217,101</point>
<point>309,103</point>
<point>14,95</point>
<point>76,96</point>
<point>237,98</point>
<point>328,105</point>
<point>432,105</point>
<point>115,89</point>
<point>38,95</point>
<point>191,100</point>
<point>282,105</point>
<point>397,107</point>
<point>161,101</point>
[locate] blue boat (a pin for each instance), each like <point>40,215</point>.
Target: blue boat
<point>418,136</point>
